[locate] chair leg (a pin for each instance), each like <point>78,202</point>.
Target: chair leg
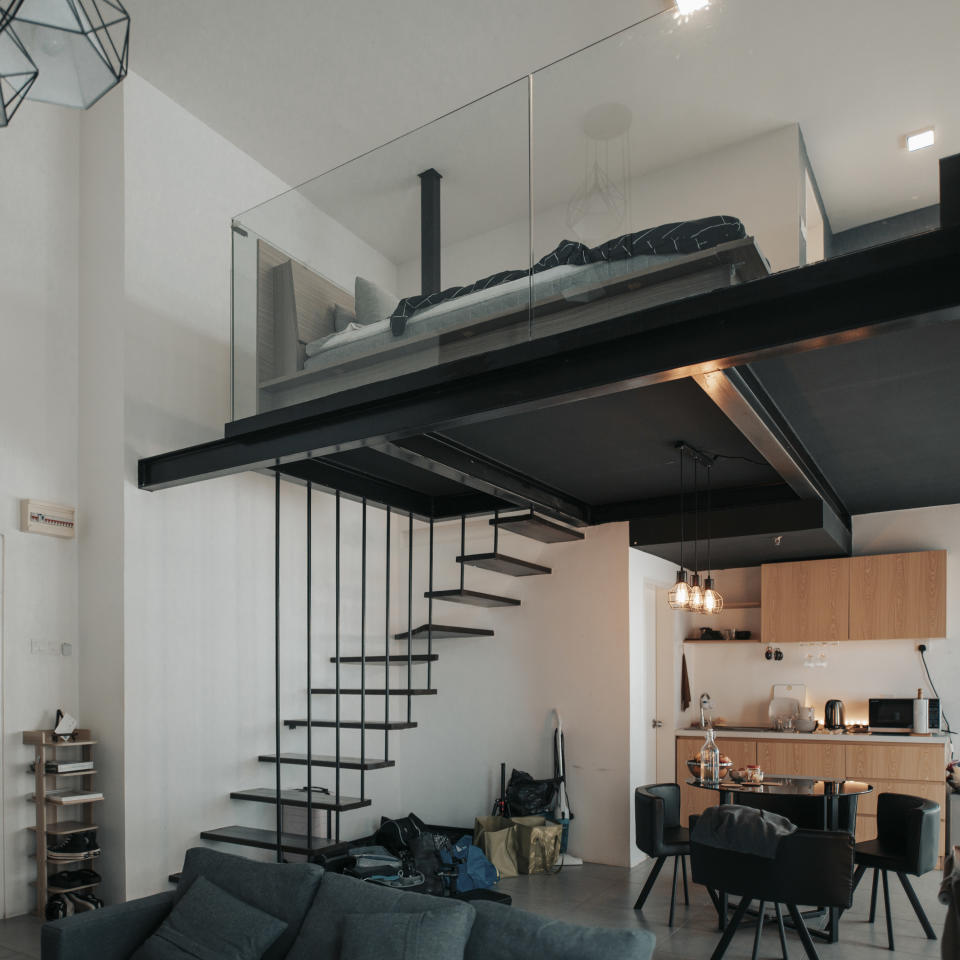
<point>873,896</point>
<point>673,892</point>
<point>802,930</point>
<point>731,929</point>
<point>686,892</point>
<point>648,886</point>
<point>886,906</point>
<point>758,933</point>
<point>915,903</point>
<point>781,931</point>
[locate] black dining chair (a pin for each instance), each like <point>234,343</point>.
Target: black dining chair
<point>810,867</point>
<point>908,844</point>
<point>659,834</point>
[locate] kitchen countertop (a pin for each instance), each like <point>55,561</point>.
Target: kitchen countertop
<point>818,735</point>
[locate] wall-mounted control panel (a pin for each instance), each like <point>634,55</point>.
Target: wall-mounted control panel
<point>50,519</point>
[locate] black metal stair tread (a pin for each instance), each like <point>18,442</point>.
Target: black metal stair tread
<point>537,528</point>
<point>376,691</point>
<point>298,798</point>
<point>395,658</point>
<point>266,839</point>
<point>322,760</point>
<point>501,563</point>
<point>441,632</point>
<point>472,597</point>
<point>355,724</point>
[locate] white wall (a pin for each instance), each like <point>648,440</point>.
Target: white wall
<point>647,573</point>
<point>38,448</point>
<point>758,180</point>
<point>740,680</point>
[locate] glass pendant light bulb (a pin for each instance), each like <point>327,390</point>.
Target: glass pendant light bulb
<point>679,596</point>
<point>695,602</point>
<point>712,601</point>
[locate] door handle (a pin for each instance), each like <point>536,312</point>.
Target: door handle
<point>656,724</point>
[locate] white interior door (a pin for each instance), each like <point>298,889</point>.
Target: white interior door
<point>666,687</point>
<point>650,729</point>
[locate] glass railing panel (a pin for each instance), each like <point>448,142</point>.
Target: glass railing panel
<point>330,291</point>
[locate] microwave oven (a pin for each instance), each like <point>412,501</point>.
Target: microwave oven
<point>895,715</point>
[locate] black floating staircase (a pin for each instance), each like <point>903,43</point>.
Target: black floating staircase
<point>334,802</point>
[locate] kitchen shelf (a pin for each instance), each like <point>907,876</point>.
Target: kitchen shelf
<point>741,605</point>
<point>718,642</point>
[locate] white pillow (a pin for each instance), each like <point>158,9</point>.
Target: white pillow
<point>341,317</point>
<point>371,302</point>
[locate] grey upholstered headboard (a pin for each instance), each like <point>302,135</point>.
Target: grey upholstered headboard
<point>293,308</point>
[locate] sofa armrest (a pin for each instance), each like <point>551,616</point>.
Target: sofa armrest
<point>112,933</point>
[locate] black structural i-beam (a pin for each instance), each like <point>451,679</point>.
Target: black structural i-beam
<point>429,232</point>
<point>950,191</point>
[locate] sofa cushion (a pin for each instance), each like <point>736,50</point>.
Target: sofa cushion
<point>510,934</point>
<point>431,935</point>
<point>207,923</point>
<point>284,890</point>
<point>322,930</point>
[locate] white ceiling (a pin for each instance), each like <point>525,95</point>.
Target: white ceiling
<point>302,86</point>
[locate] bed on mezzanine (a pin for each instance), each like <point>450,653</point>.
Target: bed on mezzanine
<point>315,338</point>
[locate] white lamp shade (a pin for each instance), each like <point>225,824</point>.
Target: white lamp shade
<point>79,46</point>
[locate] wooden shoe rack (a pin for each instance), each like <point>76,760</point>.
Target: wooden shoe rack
<point>56,816</point>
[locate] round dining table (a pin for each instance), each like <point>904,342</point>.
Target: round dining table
<point>825,792</point>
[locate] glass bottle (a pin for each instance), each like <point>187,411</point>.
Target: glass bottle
<point>710,759</point>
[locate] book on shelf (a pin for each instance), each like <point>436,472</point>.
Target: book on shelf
<point>73,796</point>
<point>64,766</point>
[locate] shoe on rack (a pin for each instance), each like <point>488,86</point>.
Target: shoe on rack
<point>86,876</point>
<point>84,901</point>
<point>67,879</point>
<point>74,846</point>
<point>56,907</point>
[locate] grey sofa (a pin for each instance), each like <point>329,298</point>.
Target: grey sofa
<point>314,904</point>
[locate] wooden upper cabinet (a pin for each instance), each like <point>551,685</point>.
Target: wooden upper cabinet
<point>899,596</point>
<point>806,601</point>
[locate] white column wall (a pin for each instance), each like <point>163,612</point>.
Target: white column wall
<point>38,452</point>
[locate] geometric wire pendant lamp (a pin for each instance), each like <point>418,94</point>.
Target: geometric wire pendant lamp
<point>81,48</point>
<point>712,599</point>
<point>8,10</point>
<point>679,595</point>
<point>17,74</point>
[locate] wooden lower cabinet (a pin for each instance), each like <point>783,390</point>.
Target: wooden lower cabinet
<point>916,769</point>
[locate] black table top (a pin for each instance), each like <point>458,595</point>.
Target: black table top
<point>790,786</point>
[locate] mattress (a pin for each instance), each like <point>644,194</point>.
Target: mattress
<point>578,284</point>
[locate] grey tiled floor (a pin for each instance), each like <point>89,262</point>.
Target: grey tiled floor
<point>20,938</point>
<point>604,896</point>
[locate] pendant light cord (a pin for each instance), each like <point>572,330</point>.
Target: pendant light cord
<point>709,521</point>
<point>696,520</point>
<point>681,506</point>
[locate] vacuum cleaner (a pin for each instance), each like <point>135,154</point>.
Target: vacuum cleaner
<point>563,814</point>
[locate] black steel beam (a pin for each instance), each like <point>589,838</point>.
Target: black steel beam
<point>454,461</point>
<point>746,404</point>
<point>429,232</point>
<point>910,283</point>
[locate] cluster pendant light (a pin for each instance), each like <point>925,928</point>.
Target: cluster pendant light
<point>693,596</point>
<point>67,52</point>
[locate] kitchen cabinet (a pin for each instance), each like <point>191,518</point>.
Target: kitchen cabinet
<point>805,601</point>
<point>899,596</point>
<point>789,757</point>
<point>895,761</point>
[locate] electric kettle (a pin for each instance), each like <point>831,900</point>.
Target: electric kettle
<point>833,715</point>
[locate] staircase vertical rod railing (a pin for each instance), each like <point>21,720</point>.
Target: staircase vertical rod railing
<point>309,669</point>
<point>430,612</point>
<point>363,649</point>
<point>386,652</point>
<point>463,547</point>
<point>409,617</point>
<point>276,658</point>
<point>337,646</point>
<point>496,531</point>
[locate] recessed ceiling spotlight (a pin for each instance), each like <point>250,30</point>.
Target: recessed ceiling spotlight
<point>920,139</point>
<point>686,7</point>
